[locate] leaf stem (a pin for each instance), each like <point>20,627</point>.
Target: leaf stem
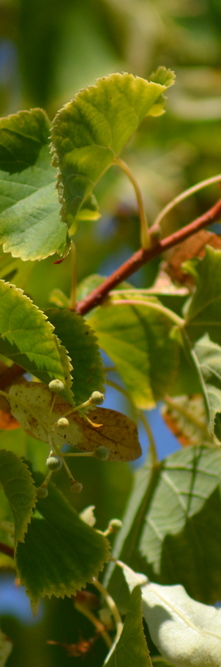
<point>112,606</point>
<point>95,621</point>
<point>153,449</point>
<point>145,235</point>
<point>72,303</point>
<point>187,193</point>
<point>178,321</point>
<point>142,256</point>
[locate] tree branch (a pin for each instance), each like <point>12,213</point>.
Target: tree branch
<point>142,256</point>
<point>129,267</point>
<point>5,549</point>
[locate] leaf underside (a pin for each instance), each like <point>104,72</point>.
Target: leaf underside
<point>30,405</point>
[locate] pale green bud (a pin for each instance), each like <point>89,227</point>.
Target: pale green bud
<point>42,492</point>
<point>56,386</point>
<point>97,398</point>
<point>102,453</point>
<point>62,423</point>
<point>115,525</point>
<point>76,487</point>
<point>54,463</point>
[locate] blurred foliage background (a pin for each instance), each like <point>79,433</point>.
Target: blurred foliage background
<point>49,50</point>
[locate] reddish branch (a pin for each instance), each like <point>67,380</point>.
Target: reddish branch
<point>141,257</point>
<point>129,267</point>
<point>5,549</point>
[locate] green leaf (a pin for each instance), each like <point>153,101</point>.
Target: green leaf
<point>27,338</point>
<point>61,553</point>
<point>90,132</point>
<point>186,632</point>
<point>208,356</point>
<point>203,309</point>
<point>19,489</point>
<point>81,343</point>
<point>22,136</point>
<point>173,521</point>
<point>30,225</point>
<point>131,649</point>
<point>137,339</point>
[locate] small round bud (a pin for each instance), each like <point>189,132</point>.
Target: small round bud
<point>76,487</point>
<point>102,453</point>
<point>115,525</point>
<point>56,386</point>
<point>62,423</point>
<point>97,398</point>
<point>42,492</point>
<point>54,463</point>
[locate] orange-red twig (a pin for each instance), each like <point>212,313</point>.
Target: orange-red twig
<point>141,257</point>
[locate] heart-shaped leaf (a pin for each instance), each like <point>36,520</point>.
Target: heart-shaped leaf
<point>90,132</point>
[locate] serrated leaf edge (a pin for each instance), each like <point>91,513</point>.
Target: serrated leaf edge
<point>22,538</point>
<point>24,296</point>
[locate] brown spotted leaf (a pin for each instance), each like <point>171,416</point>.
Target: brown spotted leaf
<point>30,404</point>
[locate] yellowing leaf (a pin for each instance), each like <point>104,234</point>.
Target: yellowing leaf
<point>30,405</point>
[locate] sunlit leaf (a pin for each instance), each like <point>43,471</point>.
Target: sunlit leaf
<point>136,337</point>
<point>30,225</point>
<point>90,132</point>
<point>31,403</point>
<point>131,649</point>
<point>173,521</point>
<point>186,632</point>
<point>61,553</point>
<point>80,341</point>
<point>19,489</point>
<point>22,136</point>
<point>27,338</point>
